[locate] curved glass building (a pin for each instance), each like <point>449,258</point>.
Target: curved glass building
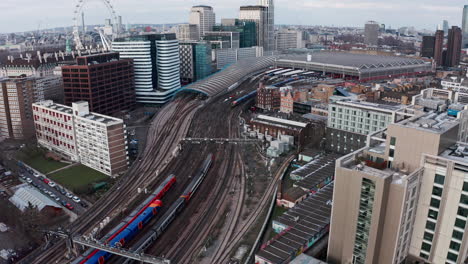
<point>156,64</point>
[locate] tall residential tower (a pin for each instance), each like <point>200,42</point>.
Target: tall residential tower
<point>465,27</point>
<point>270,24</point>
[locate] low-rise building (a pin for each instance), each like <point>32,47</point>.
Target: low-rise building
<point>268,97</point>
<point>94,140</point>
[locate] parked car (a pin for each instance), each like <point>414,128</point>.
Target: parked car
<point>57,199</point>
<point>52,184</point>
<point>41,178</point>
<point>28,180</point>
<point>83,204</point>
<point>35,174</point>
<point>46,180</point>
<point>69,195</point>
<point>76,199</point>
<point>52,195</point>
<point>62,191</point>
<point>69,206</point>
<point>63,203</point>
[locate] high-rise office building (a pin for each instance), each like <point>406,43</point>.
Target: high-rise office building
<point>371,33</point>
<point>257,14</point>
<point>204,17</point>
<point>187,32</point>
<point>405,195</point>
<point>453,47</point>
<point>465,27</point>
<point>445,26</point>
<point>156,63</point>
<point>195,60</point>
<point>427,46</point>
<point>247,31</point>
<point>105,81</point>
<point>223,39</point>
<point>439,47</point>
<point>269,31</point>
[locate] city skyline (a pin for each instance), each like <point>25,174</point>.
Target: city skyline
<point>294,12</point>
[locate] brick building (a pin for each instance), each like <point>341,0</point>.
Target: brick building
<point>105,81</point>
<point>323,92</point>
<point>268,97</point>
<point>94,140</point>
<point>289,96</point>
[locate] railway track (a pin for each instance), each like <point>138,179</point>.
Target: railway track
<point>164,134</point>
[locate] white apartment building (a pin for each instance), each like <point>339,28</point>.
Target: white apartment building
<point>96,141</point>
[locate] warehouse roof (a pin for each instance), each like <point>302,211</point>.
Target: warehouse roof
<point>363,62</point>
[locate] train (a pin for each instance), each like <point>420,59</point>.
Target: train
<point>131,225</point>
<point>244,98</point>
<point>160,226</point>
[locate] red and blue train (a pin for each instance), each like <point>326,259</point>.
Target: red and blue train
<point>160,226</point>
<point>131,225</point>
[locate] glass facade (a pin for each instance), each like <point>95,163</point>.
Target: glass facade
<point>364,220</point>
<point>247,32</point>
<point>203,67</point>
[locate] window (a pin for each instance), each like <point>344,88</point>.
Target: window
<point>439,179</point>
<point>465,186</point>
<point>464,199</point>
<point>454,245</point>
<point>432,214</point>
<point>428,236</point>
<point>426,247</point>
<point>462,211</point>
<point>460,223</point>
<point>457,235</point>
<point>430,225</point>
<point>392,141</point>
<point>435,203</point>
<point>391,153</point>
<point>425,256</point>
<point>452,257</point>
<point>437,191</point>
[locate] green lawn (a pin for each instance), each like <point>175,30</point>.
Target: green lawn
<point>42,164</point>
<point>78,177</point>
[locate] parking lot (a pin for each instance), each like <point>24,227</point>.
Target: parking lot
<point>62,196</point>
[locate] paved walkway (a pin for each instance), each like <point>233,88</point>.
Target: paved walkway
<point>63,168</point>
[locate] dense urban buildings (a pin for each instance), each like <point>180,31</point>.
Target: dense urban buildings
<point>454,45</point>
<point>203,17</point>
<point>391,199</point>
<point>157,65</point>
<point>223,39</point>
<point>371,33</point>
<point>288,39</point>
<point>94,140</point>
<point>105,81</point>
<point>247,31</point>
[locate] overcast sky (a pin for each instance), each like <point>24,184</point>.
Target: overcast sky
<point>24,15</point>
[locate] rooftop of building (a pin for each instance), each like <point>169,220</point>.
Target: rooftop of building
<point>433,122</point>
<point>107,120</point>
<point>303,221</point>
<point>315,172</point>
<point>362,62</point>
<point>382,107</point>
<point>306,259</point>
<point>280,121</point>
<point>457,152</point>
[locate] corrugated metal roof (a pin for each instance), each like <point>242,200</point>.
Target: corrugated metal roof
<point>25,195</point>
